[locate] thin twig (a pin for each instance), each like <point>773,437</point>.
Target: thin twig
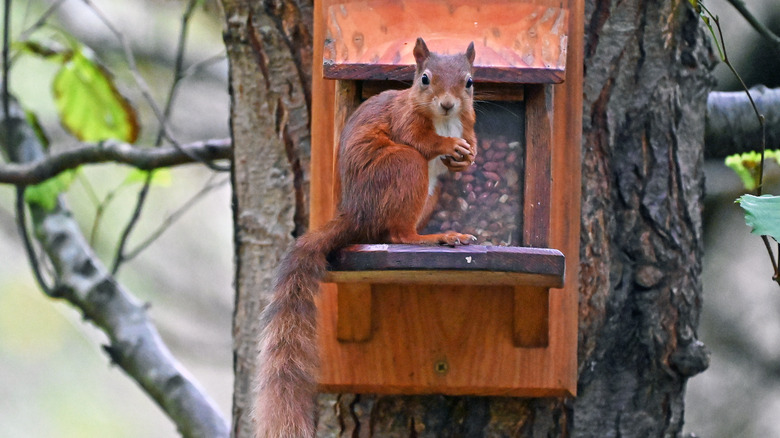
<point>144,86</point>
<point>6,67</point>
<point>176,215</point>
<point>759,116</point>
<point>41,20</point>
<point>130,58</point>
<point>178,66</point>
<point>757,25</point>
<point>192,69</point>
<point>91,193</point>
<point>119,254</point>
<point>119,257</point>
<point>771,254</point>
<point>100,206</point>
<point>776,277</point>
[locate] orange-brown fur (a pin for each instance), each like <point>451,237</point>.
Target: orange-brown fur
<point>384,153</point>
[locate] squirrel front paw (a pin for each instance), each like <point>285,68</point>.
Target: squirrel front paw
<point>454,165</point>
<point>462,157</point>
<point>461,149</point>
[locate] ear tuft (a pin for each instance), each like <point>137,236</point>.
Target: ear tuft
<point>421,52</point>
<point>470,54</point>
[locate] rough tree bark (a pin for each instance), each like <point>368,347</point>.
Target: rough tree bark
<point>269,47</point>
<point>646,83</point>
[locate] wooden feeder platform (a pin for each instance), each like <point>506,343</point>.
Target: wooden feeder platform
<point>461,265</point>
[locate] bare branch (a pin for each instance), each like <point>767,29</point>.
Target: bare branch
<point>111,151</point>
<point>732,126</point>
<point>81,279</point>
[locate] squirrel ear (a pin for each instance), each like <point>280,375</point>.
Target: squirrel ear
<point>421,52</point>
<point>470,53</point>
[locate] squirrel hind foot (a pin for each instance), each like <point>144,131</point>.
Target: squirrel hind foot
<point>449,238</point>
<point>453,238</point>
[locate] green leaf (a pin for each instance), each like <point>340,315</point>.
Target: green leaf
<point>45,194</point>
<point>89,104</point>
<point>160,177</point>
<point>762,214</point>
<point>747,167</point>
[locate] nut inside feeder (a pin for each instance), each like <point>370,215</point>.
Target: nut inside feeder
<point>485,200</point>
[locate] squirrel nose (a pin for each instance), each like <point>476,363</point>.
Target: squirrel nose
<point>447,105</point>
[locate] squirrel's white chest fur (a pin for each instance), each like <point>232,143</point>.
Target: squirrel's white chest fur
<point>446,127</point>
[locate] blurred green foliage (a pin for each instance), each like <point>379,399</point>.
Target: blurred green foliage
<point>55,381</point>
<point>748,166</point>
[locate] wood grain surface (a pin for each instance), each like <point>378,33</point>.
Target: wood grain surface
<point>454,331</point>
<point>515,42</point>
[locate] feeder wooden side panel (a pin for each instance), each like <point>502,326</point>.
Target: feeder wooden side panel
<point>567,189</point>
<point>346,102</point>
<point>322,114</point>
<point>539,139</point>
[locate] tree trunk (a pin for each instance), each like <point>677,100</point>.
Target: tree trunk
<point>646,83</point>
<point>645,88</point>
<point>269,48</point>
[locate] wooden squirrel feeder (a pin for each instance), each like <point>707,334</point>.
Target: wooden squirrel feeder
<point>498,317</point>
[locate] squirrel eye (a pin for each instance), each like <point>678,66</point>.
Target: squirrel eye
<point>469,83</point>
<point>425,79</point>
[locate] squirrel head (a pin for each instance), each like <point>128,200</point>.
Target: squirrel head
<point>443,86</point>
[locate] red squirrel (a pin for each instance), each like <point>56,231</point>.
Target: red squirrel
<point>386,149</point>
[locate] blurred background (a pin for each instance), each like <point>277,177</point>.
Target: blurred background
<point>739,395</point>
<point>56,382</point>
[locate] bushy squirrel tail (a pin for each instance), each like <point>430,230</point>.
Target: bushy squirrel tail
<point>288,358</point>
